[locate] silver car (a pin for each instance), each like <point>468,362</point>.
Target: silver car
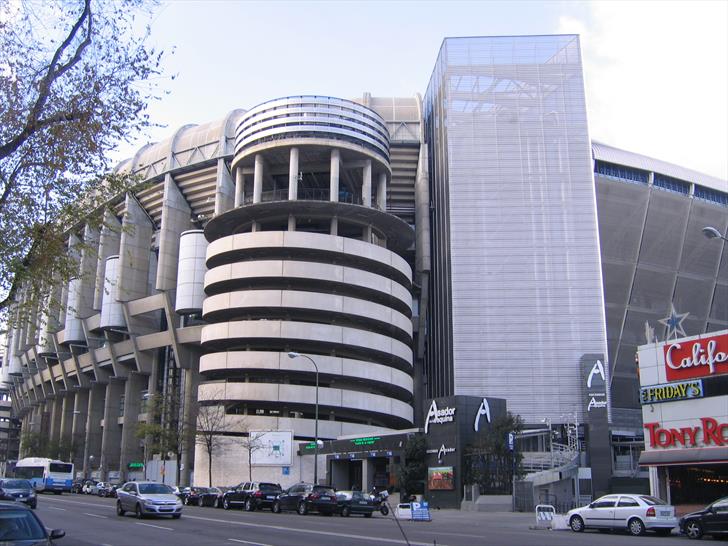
<point>635,513</point>
<point>148,499</point>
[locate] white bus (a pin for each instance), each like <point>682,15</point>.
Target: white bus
<point>46,474</point>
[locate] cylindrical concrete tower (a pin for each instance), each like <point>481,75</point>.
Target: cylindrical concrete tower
<point>309,264</point>
<point>191,272</point>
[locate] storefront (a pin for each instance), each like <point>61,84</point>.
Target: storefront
<point>684,397</point>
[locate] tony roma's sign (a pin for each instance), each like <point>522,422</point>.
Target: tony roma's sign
<point>671,392</point>
<point>709,433</point>
<point>698,358</point>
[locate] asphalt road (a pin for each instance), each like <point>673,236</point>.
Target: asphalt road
<point>93,521</point>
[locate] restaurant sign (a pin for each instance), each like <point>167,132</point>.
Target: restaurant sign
<point>698,358</point>
<point>710,432</point>
<point>671,392</point>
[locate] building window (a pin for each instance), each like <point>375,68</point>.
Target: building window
<point>621,172</point>
<point>714,196</point>
<point>672,184</point>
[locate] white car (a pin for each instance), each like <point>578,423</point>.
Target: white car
<point>148,499</point>
<point>635,513</point>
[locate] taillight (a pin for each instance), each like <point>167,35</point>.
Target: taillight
<point>314,496</point>
<point>258,494</point>
<point>651,512</point>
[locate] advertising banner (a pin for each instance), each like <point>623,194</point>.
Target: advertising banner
<point>271,447</point>
<point>441,477</point>
<point>703,357</point>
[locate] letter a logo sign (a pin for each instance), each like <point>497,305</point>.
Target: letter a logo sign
<point>431,414</point>
<point>484,409</point>
<point>597,369</point>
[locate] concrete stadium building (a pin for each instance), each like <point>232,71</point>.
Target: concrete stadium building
<point>471,242</point>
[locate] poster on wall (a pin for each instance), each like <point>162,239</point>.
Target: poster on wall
<point>271,447</point>
<point>441,477</point>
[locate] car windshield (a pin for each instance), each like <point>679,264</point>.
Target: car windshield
<point>152,488</point>
<point>652,501</point>
<point>20,525</point>
<point>16,484</point>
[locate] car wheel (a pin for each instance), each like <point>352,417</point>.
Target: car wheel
<point>636,527</point>
<point>276,508</point>
<point>119,510</point>
<point>694,530</point>
<point>345,512</point>
<point>200,502</point>
<point>576,524</point>
<point>186,501</point>
<point>34,505</point>
<point>226,504</point>
<point>138,512</point>
<point>302,508</point>
<point>384,510</point>
<point>249,506</point>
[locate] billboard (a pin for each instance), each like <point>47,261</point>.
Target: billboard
<point>441,477</point>
<point>271,447</point>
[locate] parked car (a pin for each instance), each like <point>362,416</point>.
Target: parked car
<point>76,486</point>
<point>18,490</point>
<point>148,498</point>
<point>635,513</point>
<point>262,495</point>
<point>98,487</point>
<point>201,496</point>
<point>711,520</point>
<point>235,496</point>
<point>88,485</point>
<point>305,498</point>
<point>356,502</point>
<point>19,525</point>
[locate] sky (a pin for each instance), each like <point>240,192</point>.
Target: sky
<point>656,72</point>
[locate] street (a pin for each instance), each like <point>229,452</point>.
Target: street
<point>91,520</point>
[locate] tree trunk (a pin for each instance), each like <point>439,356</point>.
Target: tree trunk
<point>209,467</point>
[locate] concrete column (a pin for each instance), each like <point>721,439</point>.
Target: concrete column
<point>78,427</point>
<point>136,240</point>
<point>176,214</point>
<point>111,435</point>
<point>334,226</point>
<point>225,190</point>
<point>258,179</point>
<point>382,192</point>
<point>335,168</point>
<point>130,451</point>
<point>94,414</point>
<point>366,234</point>
<point>239,187</point>
<point>55,418</point>
<point>367,475</point>
<point>293,175</point>
<point>191,381</point>
<point>366,184</point>
<point>67,400</point>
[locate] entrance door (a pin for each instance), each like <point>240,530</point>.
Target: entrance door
<point>355,474</point>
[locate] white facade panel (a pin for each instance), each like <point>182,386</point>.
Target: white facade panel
<point>112,314</point>
<point>191,272</point>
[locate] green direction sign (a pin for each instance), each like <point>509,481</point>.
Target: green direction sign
<point>135,466</point>
<point>367,441</point>
<point>310,446</point>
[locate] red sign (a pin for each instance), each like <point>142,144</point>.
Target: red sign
<point>697,358</point>
<point>711,432</point>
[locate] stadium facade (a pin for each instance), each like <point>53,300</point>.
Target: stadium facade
<point>355,258</point>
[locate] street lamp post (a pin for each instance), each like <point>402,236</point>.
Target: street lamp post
<point>293,354</point>
<point>713,233</point>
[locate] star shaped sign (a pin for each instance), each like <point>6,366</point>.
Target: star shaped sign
<point>674,323</point>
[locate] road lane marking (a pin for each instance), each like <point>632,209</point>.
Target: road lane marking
<point>95,515</point>
<point>54,508</point>
<point>155,526</point>
<point>313,532</point>
<point>248,542</point>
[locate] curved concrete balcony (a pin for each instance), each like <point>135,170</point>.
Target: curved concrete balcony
<point>317,120</point>
<point>308,307</point>
<point>399,235</point>
<point>312,276</point>
<point>278,335</point>
<point>383,379</point>
<point>385,410</point>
